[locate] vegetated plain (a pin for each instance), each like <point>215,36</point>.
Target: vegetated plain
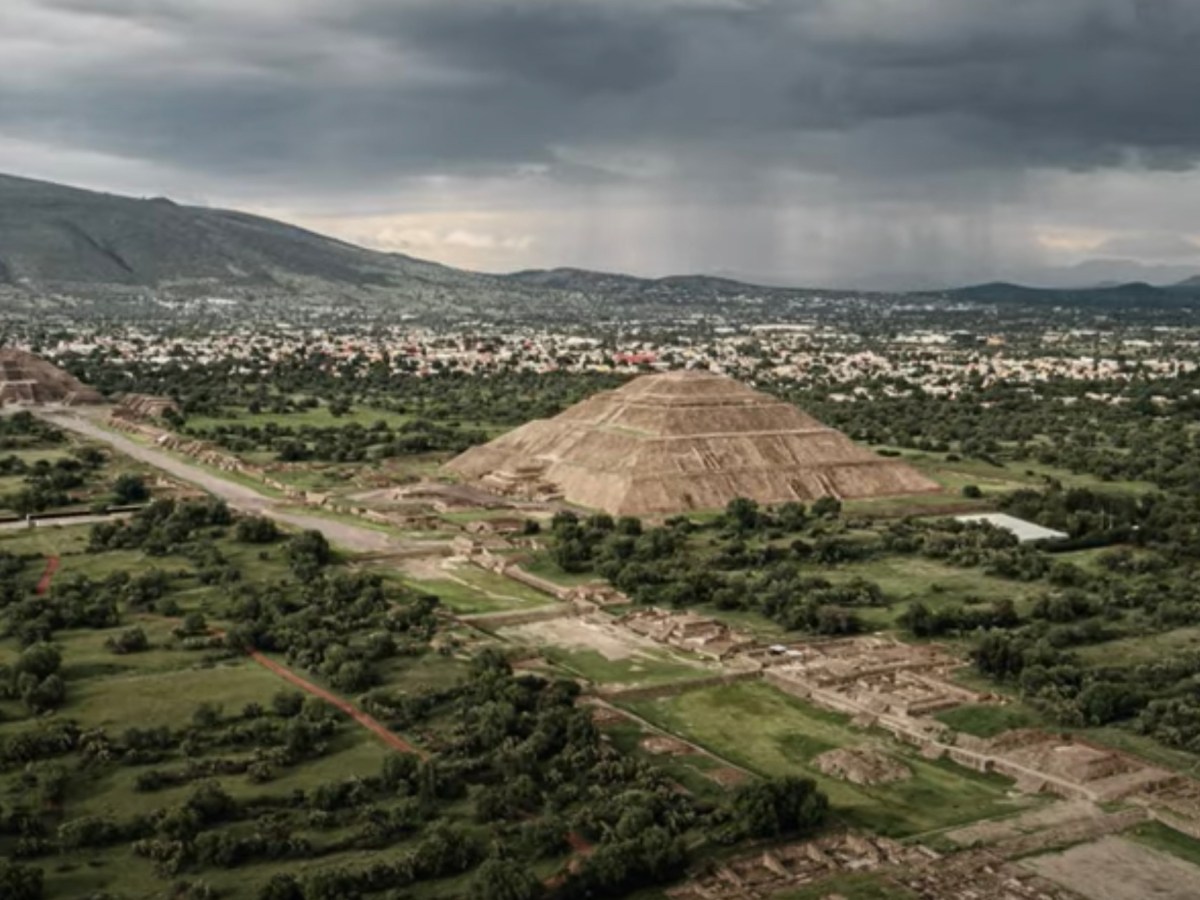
<point>771,733</point>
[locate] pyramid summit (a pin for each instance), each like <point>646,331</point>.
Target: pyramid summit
<point>680,441</point>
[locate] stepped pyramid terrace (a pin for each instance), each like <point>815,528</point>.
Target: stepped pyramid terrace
<point>678,441</point>
<point>26,379</point>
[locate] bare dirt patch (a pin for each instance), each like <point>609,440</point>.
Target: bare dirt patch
<point>665,746</point>
<point>429,568</point>
<point>726,776</point>
<point>862,765</point>
<point>609,640</point>
<point>1052,816</point>
<point>1117,869</point>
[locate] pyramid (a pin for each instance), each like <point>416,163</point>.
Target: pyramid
<point>29,380</point>
<point>679,441</point>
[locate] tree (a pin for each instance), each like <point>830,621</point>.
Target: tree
<point>308,552</point>
<point>130,488</point>
<point>504,879</point>
<point>742,515</point>
<point>19,882</point>
<point>281,887</point>
<point>131,640</point>
<point>287,704</point>
<point>256,530</point>
<point>776,807</point>
<point>827,508</point>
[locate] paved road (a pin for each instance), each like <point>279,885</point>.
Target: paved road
<point>239,496</point>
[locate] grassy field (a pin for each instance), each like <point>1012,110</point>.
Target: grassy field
<point>1168,840</point>
<point>988,720</point>
<point>771,733</point>
<point>497,585</point>
<point>168,698</point>
<point>1143,648</point>
<point>542,565</point>
<point>469,590</point>
<point>687,769</point>
<point>865,886</point>
<point>908,578</point>
<point>640,670</point>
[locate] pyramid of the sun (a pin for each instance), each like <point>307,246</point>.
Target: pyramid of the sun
<point>28,379</point>
<point>679,441</point>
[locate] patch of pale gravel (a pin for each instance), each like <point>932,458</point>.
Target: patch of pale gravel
<point>1114,868</point>
<point>1059,813</point>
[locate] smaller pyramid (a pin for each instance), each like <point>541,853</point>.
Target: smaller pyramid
<point>29,380</point>
<point>680,441</point>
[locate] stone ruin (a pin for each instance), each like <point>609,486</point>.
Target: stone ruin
<point>28,380</point>
<point>680,441</point>
<point>764,874</point>
<point>1064,764</point>
<point>144,406</point>
<point>904,870</point>
<point>872,676</point>
<point>862,765</point>
<point>523,480</point>
<point>687,631</point>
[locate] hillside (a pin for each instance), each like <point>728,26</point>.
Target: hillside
<point>56,235</point>
<point>1114,297</point>
<point>93,254</point>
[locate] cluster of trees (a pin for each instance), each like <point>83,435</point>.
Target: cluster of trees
<point>299,381</point>
<point>48,484</point>
<point>23,429</point>
<point>1064,423</point>
<point>34,678</point>
<point>351,442</point>
<point>165,526</point>
<point>742,560</point>
<point>341,626</point>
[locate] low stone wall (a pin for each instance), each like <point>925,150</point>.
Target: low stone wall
<point>516,573</point>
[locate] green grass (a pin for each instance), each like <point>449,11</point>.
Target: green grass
<point>498,585</point>
<point>49,540</point>
<point>469,590</point>
<point>640,670</point>
<point>865,886</point>
<point>987,721</point>
<point>168,698</point>
<point>1168,840</point>
<point>772,733</point>
<point>542,565</point>
<point>1143,648</point>
<point>686,769</point>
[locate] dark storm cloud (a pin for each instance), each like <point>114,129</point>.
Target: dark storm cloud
<point>897,127</point>
<point>816,84</point>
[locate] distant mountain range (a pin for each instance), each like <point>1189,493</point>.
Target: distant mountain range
<point>50,234</point>
<point>57,240</point>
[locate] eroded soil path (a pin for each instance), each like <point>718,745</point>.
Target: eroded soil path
<point>43,585</point>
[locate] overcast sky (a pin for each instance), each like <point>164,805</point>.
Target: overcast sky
<point>815,141</point>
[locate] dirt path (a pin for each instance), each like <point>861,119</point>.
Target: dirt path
<point>368,722</point>
<point>43,585</point>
